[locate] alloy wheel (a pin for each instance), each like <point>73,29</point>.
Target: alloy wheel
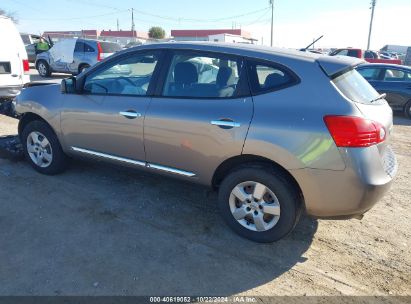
<point>42,69</point>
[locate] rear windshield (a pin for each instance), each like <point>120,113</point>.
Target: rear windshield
<point>353,86</point>
<point>110,47</point>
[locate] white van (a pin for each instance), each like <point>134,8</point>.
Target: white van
<point>14,64</point>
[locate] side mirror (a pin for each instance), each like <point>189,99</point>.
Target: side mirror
<point>68,85</point>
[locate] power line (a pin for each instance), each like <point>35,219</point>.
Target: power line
<point>202,20</point>
<point>170,18</point>
<point>78,18</point>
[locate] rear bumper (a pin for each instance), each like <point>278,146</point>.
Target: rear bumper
<point>351,192</point>
<point>10,91</point>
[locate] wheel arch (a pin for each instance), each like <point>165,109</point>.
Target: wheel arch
<point>253,160</point>
<point>28,117</point>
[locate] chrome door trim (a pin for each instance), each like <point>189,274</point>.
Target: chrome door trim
<point>134,162</point>
<point>130,114</point>
<point>223,123</point>
<point>171,170</point>
<point>108,156</point>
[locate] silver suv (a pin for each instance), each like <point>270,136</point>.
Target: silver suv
<point>86,53</point>
<point>277,132</point>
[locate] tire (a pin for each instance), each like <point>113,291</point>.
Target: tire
<point>46,149</point>
<point>407,109</point>
<point>82,68</point>
<point>285,204</point>
<point>43,68</point>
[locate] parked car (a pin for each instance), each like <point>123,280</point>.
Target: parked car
<point>82,54</point>
<point>14,65</point>
<point>257,131</point>
<point>394,80</point>
<point>368,55</point>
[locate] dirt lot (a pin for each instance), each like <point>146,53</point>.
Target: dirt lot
<point>100,230</point>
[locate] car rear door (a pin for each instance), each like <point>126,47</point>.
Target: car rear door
<point>197,120</point>
<point>78,57</point>
<point>106,120</point>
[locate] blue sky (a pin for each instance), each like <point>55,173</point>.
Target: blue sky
<point>296,23</point>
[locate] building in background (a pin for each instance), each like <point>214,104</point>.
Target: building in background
<point>123,37</point>
<point>402,49</point>
<point>58,35</point>
<point>217,35</point>
<point>128,37</point>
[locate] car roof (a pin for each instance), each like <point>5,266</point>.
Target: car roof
<point>330,65</point>
<point>232,48</point>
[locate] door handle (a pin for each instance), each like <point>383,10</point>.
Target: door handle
<point>130,114</point>
<point>225,124</point>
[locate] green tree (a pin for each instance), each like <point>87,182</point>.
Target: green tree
<point>11,15</point>
<point>156,32</point>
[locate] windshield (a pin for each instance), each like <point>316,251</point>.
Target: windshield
<point>353,86</point>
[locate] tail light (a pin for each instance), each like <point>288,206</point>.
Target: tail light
<point>351,131</point>
<point>26,65</point>
<point>99,51</point>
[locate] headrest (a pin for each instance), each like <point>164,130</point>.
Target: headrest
<point>225,77</point>
<point>275,80</point>
<point>185,73</point>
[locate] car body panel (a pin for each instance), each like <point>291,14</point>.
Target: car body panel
<point>179,133</point>
<point>111,132</point>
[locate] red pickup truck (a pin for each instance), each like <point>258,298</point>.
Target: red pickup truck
<point>369,56</point>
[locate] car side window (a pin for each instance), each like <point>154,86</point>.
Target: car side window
<point>342,53</point>
<point>203,76</point>
<point>394,75</point>
<point>79,47</point>
<point>128,76</point>
<point>370,74</point>
<point>265,77</point>
<point>88,48</point>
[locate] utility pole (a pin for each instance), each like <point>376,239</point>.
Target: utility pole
<point>132,24</point>
<point>373,2</point>
<point>272,21</point>
<point>118,26</point>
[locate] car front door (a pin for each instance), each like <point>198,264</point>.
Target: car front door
<point>106,120</point>
<point>197,120</point>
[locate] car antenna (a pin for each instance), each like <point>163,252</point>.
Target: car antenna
<point>312,43</point>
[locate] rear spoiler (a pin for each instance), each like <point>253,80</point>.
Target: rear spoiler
<point>334,66</point>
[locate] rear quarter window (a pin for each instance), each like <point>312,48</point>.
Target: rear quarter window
<point>266,77</point>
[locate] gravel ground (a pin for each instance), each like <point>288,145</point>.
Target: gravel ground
<point>101,230</point>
